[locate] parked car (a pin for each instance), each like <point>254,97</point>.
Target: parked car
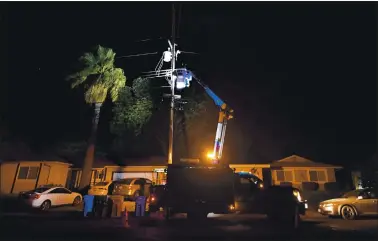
<point>46,197</point>
<point>128,187</point>
<point>132,187</point>
<point>349,206</point>
<point>101,188</point>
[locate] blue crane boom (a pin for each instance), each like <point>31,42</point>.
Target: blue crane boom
<point>225,114</point>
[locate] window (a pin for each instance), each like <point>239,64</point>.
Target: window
<point>369,194</point>
<point>354,193</point>
<point>284,176</point>
<point>300,176</point>
<point>60,191</point>
<point>244,181</point>
<point>139,182</point>
<point>28,173</point>
<point>41,189</point>
<point>317,176</point>
<point>98,174</point>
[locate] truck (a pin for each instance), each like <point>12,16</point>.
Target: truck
<point>199,189</point>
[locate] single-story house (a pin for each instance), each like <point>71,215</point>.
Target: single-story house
<point>106,170</point>
<point>293,169</point>
<point>26,174</point>
<point>296,170</point>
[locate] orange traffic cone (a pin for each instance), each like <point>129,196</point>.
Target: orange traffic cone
<point>125,219</point>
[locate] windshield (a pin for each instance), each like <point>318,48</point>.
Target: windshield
<point>102,184</point>
<point>353,193</point>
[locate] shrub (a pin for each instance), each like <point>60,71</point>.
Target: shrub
<point>331,187</point>
<point>310,186</point>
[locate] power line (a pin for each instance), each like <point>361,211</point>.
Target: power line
<point>136,55</point>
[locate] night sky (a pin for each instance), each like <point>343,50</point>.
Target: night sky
<point>300,77</point>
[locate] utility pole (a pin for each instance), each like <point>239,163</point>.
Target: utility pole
<point>173,80</point>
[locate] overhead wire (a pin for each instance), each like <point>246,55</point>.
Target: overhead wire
<point>136,55</point>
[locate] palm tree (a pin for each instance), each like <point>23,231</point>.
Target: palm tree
<point>100,78</point>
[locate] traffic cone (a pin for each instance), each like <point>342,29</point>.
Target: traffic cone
<point>125,219</point>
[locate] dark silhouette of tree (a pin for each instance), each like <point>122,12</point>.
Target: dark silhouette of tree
<point>100,78</point>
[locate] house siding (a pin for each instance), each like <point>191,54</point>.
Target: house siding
<point>329,176</point>
<point>6,178</point>
<point>48,173</point>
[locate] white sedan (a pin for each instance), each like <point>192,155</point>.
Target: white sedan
<point>46,197</point>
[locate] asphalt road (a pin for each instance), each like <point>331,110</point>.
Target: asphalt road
<point>68,224</point>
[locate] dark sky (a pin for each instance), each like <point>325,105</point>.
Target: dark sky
<point>300,76</point>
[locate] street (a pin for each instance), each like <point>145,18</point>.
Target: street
<point>68,223</point>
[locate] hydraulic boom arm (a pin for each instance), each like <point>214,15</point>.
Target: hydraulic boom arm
<point>225,113</point>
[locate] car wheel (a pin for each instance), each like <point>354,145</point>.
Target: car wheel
<point>76,201</point>
<point>45,205</point>
<point>348,213</point>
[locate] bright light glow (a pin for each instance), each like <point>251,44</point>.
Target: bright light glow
<point>211,155</point>
<point>167,56</point>
<point>180,85</point>
<point>298,195</point>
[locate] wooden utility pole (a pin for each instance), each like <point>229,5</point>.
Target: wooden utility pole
<point>173,80</point>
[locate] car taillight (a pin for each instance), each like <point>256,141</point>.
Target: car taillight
<point>35,196</point>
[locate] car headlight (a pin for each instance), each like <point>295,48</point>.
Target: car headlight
<point>328,205</point>
<point>298,196</point>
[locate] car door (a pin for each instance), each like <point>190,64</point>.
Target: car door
<point>366,202</point>
<point>54,197</point>
<point>66,196</point>
<point>59,196</point>
<point>372,202</point>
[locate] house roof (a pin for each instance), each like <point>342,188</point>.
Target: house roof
<point>32,158</point>
<point>298,161</point>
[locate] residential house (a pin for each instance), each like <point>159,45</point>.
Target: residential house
<point>296,170</point>
<point>27,174</point>
<point>293,169</point>
<point>106,170</point>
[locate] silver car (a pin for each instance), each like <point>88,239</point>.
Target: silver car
<point>352,204</point>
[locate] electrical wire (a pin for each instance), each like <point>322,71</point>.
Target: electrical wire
<point>136,55</point>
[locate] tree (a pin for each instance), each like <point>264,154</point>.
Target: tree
<point>188,113</point>
<point>130,114</point>
<point>100,78</point>
<point>133,109</point>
